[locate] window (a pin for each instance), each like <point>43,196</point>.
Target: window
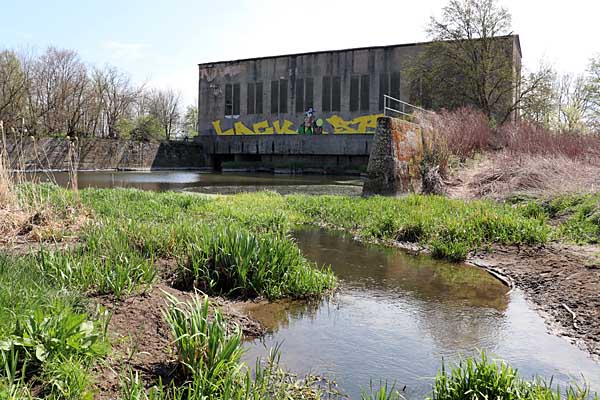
<point>332,93</point>
<point>364,93</point>
<point>304,94</point>
<point>232,99</point>
<point>279,96</point>
<point>389,84</point>
<point>255,98</point>
<point>354,82</point>
<point>359,93</point>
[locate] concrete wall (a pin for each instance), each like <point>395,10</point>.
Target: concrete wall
<point>345,64</point>
<point>92,154</point>
<point>335,153</point>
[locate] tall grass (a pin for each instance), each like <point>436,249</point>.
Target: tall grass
<point>478,379</point>
<point>230,260</point>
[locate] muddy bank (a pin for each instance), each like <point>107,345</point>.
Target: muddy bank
<point>563,283</point>
<point>142,341</point>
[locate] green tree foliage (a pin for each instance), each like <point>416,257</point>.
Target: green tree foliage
<point>191,120</point>
<point>472,60</point>
<point>147,128</point>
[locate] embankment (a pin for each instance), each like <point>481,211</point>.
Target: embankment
<point>31,154</point>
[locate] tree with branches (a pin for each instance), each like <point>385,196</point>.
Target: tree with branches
<point>472,60</point>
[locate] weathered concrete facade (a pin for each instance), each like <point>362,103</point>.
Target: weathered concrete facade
<point>395,162</point>
<point>269,95</point>
<point>319,153</point>
<point>102,154</point>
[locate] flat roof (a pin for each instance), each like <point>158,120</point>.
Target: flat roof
<point>339,51</point>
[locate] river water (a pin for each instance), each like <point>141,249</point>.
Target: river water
<point>207,182</point>
<point>395,317</point>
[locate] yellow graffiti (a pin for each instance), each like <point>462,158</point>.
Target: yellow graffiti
<point>363,124</point>
<point>217,125</point>
<point>241,129</point>
<point>285,128</point>
<point>263,127</point>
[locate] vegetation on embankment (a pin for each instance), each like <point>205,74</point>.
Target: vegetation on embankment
<point>51,336</point>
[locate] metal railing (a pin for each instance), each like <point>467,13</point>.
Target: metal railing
<point>399,107</point>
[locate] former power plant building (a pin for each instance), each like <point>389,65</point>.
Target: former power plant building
<point>345,88</point>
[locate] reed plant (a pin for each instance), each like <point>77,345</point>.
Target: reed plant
<point>228,259</point>
<point>481,379</point>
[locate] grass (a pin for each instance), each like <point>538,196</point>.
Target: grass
<point>48,337</point>
<point>481,378</point>
<point>237,246</point>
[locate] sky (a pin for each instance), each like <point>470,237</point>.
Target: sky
<point>160,43</point>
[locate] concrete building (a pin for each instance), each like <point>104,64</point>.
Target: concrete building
<point>270,95</point>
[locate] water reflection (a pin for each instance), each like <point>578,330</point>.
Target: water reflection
<point>396,316</point>
<point>206,182</point>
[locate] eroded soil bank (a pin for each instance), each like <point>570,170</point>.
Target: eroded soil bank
<point>142,342</point>
<point>563,283</point>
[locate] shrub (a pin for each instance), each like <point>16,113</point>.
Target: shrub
<point>528,138</point>
<point>464,131</point>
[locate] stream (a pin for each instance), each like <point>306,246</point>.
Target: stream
<point>396,316</point>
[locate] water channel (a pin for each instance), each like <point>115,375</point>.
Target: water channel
<point>395,316</point>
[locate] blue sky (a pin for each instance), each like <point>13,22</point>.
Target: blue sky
<point>161,42</point>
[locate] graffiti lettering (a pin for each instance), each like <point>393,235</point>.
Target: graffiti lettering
<point>338,125</point>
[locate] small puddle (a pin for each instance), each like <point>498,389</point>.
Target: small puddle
<point>396,316</point>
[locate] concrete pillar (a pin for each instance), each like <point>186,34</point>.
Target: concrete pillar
<point>395,162</point>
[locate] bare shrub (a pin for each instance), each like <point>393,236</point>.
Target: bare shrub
<point>466,131</point>
<point>528,138</point>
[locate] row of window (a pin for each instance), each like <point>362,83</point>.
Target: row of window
<point>330,96</point>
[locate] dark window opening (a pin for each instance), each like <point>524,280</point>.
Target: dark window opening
<point>336,93</point>
<point>283,96</point>
<point>232,99</point>
<point>236,99</point>
<point>308,93</point>
<point>364,93</point>
<point>326,98</point>
<point>279,97</point>
<point>259,97</point>
<point>332,93</point>
<point>354,82</point>
<point>384,88</point>
<point>254,98</point>
<point>304,94</point>
<point>251,99</point>
<point>299,95</point>
<point>228,99</point>
<point>389,84</point>
<point>274,97</point>
<point>395,85</point>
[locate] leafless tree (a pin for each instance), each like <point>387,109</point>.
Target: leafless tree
<point>13,89</point>
<point>116,96</point>
<point>164,106</point>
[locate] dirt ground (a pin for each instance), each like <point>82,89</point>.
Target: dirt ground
<point>563,283</point>
<point>142,341</point>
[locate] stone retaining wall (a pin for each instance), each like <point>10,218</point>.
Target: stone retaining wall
<point>31,154</point>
